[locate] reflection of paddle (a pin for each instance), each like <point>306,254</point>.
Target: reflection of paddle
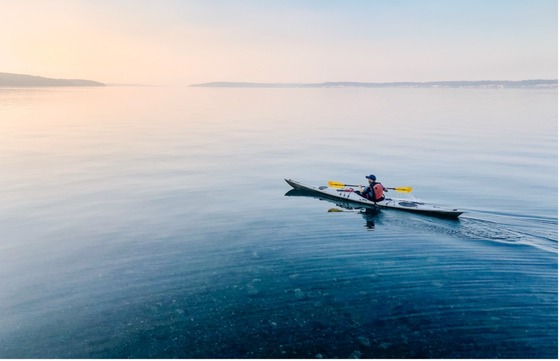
<point>357,210</point>
<point>334,184</point>
<point>337,210</point>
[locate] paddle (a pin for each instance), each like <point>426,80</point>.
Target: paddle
<point>334,184</point>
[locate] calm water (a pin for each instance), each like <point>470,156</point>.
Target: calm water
<point>153,222</point>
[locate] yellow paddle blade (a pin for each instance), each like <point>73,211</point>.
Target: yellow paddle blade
<point>334,184</point>
<point>402,189</point>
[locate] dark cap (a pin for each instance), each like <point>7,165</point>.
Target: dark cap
<point>371,176</point>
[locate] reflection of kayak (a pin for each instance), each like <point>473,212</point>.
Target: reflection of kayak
<point>348,196</point>
<point>338,202</point>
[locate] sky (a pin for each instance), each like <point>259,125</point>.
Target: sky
<point>181,42</point>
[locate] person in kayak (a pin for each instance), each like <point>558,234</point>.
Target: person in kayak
<point>374,191</point>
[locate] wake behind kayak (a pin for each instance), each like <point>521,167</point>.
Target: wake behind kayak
<point>347,195</point>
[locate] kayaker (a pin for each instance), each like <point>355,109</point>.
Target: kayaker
<point>374,191</point>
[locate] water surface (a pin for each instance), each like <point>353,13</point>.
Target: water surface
<point>153,222</point>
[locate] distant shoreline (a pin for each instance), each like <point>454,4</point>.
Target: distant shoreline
<point>23,80</point>
<point>492,84</point>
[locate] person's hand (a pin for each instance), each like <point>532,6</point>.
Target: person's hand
<point>361,188</point>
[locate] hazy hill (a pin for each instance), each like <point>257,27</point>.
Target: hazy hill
<point>21,80</point>
<point>535,83</point>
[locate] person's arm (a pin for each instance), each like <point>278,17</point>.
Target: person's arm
<point>364,192</point>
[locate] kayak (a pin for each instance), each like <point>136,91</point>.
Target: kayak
<point>350,197</point>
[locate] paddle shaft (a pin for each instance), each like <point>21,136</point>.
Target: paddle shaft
<point>359,185</point>
<point>342,185</point>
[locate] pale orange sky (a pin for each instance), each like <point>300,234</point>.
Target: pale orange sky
<point>183,42</point>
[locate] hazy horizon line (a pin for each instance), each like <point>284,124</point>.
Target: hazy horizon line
<point>443,83</point>
<point>15,79</point>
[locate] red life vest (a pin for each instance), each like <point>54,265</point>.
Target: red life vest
<point>378,192</point>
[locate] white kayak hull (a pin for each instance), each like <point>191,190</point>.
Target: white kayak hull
<point>349,196</point>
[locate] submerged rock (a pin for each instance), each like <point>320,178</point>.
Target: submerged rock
<point>299,294</point>
<point>251,290</point>
<point>355,354</point>
<point>364,341</point>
